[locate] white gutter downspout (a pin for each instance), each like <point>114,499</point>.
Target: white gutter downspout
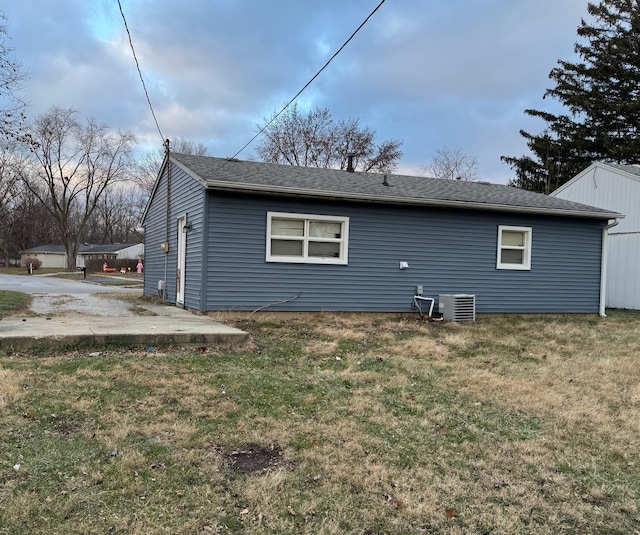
<point>603,266</point>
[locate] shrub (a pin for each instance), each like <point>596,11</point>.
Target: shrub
<point>33,261</point>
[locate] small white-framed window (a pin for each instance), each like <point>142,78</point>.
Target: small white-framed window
<point>514,247</point>
<point>307,238</point>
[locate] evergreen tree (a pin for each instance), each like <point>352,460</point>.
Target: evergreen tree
<point>601,96</point>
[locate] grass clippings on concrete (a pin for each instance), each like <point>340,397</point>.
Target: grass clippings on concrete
<point>332,424</point>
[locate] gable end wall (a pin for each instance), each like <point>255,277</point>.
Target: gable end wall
<point>606,187</point>
<point>186,197</point>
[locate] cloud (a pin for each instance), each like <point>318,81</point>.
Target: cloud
<point>431,73</point>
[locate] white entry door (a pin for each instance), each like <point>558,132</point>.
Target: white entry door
<point>182,253</point>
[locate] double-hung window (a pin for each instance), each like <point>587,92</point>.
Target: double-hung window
<point>514,248</point>
<point>305,238</point>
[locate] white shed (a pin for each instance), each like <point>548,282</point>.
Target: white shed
<point>617,188</point>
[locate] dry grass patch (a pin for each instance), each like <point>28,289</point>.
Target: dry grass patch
<point>321,347</point>
<point>578,377</point>
<point>9,388</point>
<point>356,424</point>
<point>421,348</point>
<point>341,333</point>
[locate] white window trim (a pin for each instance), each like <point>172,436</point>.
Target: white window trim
<point>526,265</point>
<point>343,259</point>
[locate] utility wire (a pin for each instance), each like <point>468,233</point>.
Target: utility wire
<point>308,83</point>
<point>133,50</point>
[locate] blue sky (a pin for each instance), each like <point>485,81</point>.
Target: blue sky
<point>431,73</point>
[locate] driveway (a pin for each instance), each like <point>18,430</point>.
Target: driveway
<point>57,296</point>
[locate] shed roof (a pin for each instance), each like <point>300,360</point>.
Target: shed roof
<point>47,248</point>
<point>51,248</point>
<point>83,248</point>
<point>632,169</point>
<point>108,248</point>
<point>259,177</point>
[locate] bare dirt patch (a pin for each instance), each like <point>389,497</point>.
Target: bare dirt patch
<point>252,458</point>
<point>65,426</point>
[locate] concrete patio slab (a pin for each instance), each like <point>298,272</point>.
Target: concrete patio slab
<point>169,325</point>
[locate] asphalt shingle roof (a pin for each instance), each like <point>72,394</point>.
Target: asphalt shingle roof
<point>247,176</point>
<point>633,169</point>
<point>82,248</point>
<point>108,248</point>
<point>47,248</point>
<point>51,248</point>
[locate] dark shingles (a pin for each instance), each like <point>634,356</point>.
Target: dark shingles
<point>219,173</point>
<point>82,248</point>
<point>108,248</point>
<point>633,169</point>
<point>47,248</point>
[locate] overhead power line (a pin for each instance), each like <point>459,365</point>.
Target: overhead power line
<point>309,82</point>
<point>144,86</point>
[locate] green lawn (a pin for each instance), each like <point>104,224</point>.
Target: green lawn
<point>332,424</point>
<point>23,271</point>
<point>13,302</point>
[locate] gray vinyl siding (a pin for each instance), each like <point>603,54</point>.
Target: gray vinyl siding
<point>186,198</point>
<point>448,251</point>
<point>154,235</point>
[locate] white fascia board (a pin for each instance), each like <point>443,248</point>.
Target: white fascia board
<point>575,179</point>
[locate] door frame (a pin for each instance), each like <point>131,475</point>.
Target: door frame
<point>181,259</point>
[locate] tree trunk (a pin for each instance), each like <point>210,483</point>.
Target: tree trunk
<point>71,250</point>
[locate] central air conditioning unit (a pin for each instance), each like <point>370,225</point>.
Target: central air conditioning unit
<point>457,307</point>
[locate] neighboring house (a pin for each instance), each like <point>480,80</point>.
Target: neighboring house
<point>54,256</point>
<point>14,260</point>
<point>50,256</point>
<point>236,235</point>
<point>132,251</point>
<point>617,188</point>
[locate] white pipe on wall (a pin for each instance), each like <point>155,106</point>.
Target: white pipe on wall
<point>603,267</point>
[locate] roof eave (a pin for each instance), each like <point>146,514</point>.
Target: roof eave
<point>388,199</point>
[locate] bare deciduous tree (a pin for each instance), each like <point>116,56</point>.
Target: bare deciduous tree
<point>70,167</point>
<point>315,140</point>
<point>24,220</point>
<point>12,78</point>
<point>117,216</point>
<point>10,194</point>
<point>29,223</point>
<point>452,164</point>
<point>148,166</point>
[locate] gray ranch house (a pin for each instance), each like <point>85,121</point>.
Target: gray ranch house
<point>119,251</point>
<point>224,234</point>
